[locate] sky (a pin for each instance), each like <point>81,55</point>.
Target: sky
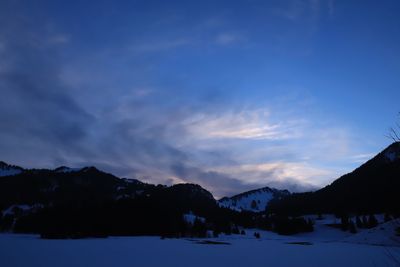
<point>232,95</point>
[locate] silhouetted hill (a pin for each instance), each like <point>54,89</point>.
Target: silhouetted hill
<point>373,187</point>
<point>55,187</point>
<point>70,202</point>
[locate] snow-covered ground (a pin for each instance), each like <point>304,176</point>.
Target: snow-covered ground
<point>324,247</point>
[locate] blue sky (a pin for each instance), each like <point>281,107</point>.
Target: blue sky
<point>232,95</point>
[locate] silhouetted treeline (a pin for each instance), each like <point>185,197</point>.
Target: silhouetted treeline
<point>93,203</point>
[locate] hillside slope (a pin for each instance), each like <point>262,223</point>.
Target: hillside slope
<point>371,188</point>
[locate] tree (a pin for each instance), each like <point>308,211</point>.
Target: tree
<point>364,221</point>
<point>310,226</point>
<point>235,230</point>
<point>216,233</point>
<point>372,222</point>
<point>352,227</point>
<point>359,222</point>
<point>344,223</point>
<point>394,132</point>
<point>254,205</point>
<point>199,228</point>
<point>387,217</point>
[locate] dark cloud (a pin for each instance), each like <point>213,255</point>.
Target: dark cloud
<point>220,184</point>
<point>224,185</point>
<point>36,112</point>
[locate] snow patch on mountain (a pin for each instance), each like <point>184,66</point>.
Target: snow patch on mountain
<point>7,170</point>
<point>131,181</point>
<point>21,208</point>
<point>67,169</point>
<point>190,218</point>
<point>255,200</point>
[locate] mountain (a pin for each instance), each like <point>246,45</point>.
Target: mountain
<point>372,187</point>
<point>78,202</point>
<point>63,186</point>
<point>254,200</point>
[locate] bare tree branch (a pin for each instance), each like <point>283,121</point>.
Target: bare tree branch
<point>394,132</point>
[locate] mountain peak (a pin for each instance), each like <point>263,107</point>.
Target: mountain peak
<point>253,200</point>
<point>67,169</point>
<point>193,190</point>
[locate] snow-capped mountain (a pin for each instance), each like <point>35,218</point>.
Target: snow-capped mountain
<point>8,170</point>
<point>254,200</point>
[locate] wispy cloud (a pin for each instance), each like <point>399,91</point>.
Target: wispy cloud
<point>244,124</point>
<point>58,39</point>
<point>160,45</point>
<point>362,158</point>
<point>273,173</point>
<point>227,38</point>
<point>331,8</point>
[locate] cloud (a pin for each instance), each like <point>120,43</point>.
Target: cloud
<point>220,184</point>
<point>362,158</point>
<point>300,173</point>
<point>245,124</point>
<point>111,108</point>
<point>331,8</point>
<point>58,39</point>
<point>295,10</point>
<point>230,180</point>
<point>160,45</point>
<point>36,111</point>
<point>227,38</point>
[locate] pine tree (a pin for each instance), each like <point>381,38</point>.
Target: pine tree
<point>364,221</point>
<point>344,223</point>
<point>235,230</point>
<point>254,205</point>
<point>387,217</point>
<point>310,225</point>
<point>352,227</point>
<point>215,233</point>
<point>199,228</point>
<point>359,222</point>
<point>372,222</point>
